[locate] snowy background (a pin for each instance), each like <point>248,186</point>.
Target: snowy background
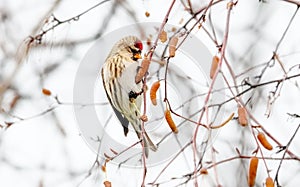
<point>41,143</point>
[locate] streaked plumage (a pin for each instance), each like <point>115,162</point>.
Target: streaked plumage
<point>118,75</point>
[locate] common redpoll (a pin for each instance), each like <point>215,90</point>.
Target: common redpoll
<point>125,96</point>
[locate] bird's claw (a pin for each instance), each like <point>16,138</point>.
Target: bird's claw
<point>133,95</point>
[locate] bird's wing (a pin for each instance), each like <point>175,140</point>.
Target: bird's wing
<point>127,79</point>
<point>124,122</point>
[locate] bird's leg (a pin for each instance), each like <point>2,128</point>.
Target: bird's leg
<point>136,109</point>
<point>132,96</point>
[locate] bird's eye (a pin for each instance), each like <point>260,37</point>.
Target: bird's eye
<point>138,44</point>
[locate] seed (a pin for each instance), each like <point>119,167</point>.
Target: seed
<point>107,184</point>
<point>203,171</point>
<point>103,167</point>
<point>147,14</point>
<point>46,92</point>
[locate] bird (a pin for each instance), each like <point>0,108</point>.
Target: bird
<point>123,93</point>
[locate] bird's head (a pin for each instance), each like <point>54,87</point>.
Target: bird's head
<point>129,46</point>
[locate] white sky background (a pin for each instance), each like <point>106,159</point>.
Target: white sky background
<point>35,152</point>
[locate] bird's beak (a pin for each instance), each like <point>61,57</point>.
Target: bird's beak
<point>137,56</point>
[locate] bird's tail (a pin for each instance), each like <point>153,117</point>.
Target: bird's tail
<point>148,144</point>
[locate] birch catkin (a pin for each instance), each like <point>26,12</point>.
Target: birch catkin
<point>242,116</point>
<point>172,46</point>
<point>264,142</point>
<point>252,171</point>
<point>269,182</point>
<point>153,90</point>
<point>170,121</point>
<point>214,66</point>
<point>163,36</point>
<point>142,70</point>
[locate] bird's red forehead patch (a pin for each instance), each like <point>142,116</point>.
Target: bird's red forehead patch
<point>138,44</point>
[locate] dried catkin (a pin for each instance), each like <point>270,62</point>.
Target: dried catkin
<point>269,182</point>
<point>264,142</point>
<point>163,37</point>
<point>214,66</point>
<point>172,46</point>
<point>153,90</point>
<point>170,121</point>
<point>142,70</point>
<point>252,171</point>
<point>242,116</point>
